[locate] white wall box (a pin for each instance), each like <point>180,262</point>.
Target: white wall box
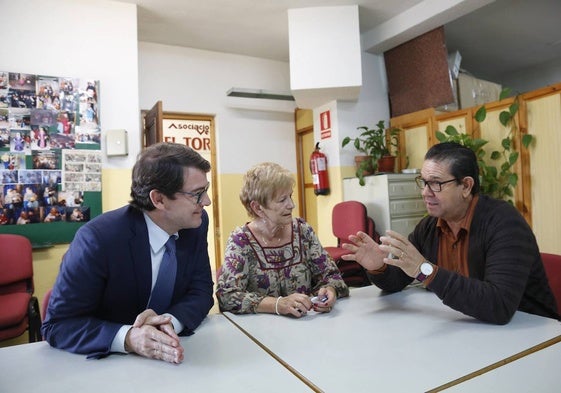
<point>116,143</point>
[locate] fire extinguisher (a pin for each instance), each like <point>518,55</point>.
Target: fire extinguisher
<point>318,166</point>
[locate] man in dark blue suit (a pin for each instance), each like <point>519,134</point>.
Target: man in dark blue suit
<point>101,301</point>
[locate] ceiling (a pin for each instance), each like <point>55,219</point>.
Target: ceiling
<point>504,36</point>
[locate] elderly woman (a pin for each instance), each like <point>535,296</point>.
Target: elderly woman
<point>275,263</point>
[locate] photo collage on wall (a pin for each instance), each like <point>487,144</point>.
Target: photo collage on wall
<point>43,175</point>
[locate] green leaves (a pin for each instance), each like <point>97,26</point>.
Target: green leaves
<point>481,114</point>
<point>505,93</point>
<point>497,180</point>
<point>527,139</point>
<point>374,143</point>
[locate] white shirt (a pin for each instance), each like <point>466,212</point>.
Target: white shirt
<point>157,238</point>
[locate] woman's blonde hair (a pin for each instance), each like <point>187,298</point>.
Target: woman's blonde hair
<point>262,183</point>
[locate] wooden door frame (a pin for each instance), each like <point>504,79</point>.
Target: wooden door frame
<point>302,165</point>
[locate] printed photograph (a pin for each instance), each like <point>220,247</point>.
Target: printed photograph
<point>45,159</point>
<point>48,93</point>
<point>9,176</point>
<point>12,161</point>
<point>69,94</point>
<point>20,141</point>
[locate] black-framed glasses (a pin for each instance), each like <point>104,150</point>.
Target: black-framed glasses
<point>198,195</point>
<point>434,186</point>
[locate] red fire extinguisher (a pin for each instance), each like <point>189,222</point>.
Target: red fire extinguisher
<point>318,166</point>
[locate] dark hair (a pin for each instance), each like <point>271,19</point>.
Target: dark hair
<point>160,167</point>
<point>461,160</point>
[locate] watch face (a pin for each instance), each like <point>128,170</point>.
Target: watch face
<point>426,268</point>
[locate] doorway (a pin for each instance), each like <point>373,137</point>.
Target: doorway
<point>307,201</point>
<point>197,132</point>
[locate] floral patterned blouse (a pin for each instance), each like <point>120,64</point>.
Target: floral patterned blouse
<point>251,272</point>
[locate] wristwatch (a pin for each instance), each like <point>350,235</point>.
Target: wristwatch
<point>426,269</point>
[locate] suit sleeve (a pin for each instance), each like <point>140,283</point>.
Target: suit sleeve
<point>71,321</point>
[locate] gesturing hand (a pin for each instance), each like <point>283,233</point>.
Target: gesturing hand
<point>406,256</point>
<point>152,336</point>
<point>365,251</point>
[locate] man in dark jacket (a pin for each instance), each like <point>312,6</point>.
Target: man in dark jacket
<point>104,299</point>
<point>475,253</point>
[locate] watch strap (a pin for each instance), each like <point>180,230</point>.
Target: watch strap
<point>422,276</point>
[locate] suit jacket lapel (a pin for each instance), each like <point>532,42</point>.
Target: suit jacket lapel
<point>140,251</point>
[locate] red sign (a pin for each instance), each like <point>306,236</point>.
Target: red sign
<point>325,124</point>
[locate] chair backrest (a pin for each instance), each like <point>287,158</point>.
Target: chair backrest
<point>16,264</point>
<point>348,218</point>
<point>552,265</point>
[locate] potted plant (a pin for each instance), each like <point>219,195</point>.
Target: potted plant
<point>497,180</point>
<point>376,145</point>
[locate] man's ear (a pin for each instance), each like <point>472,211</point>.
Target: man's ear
<point>157,198</point>
<point>468,183</point>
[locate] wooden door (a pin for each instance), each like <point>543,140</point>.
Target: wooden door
<point>153,120</point>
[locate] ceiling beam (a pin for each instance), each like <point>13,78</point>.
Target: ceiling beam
<point>415,21</point>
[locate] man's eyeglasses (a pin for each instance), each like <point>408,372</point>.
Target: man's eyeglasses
<point>198,194</point>
<point>434,186</point>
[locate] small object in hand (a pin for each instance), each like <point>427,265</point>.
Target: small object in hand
<point>316,299</point>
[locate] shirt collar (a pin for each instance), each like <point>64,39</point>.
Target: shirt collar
<point>156,235</point>
<point>466,221</point>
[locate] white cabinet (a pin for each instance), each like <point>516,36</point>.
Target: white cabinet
<point>393,200</point>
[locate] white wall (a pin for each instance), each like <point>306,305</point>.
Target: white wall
<point>533,78</point>
<point>196,81</point>
<point>372,104</point>
<point>79,38</point>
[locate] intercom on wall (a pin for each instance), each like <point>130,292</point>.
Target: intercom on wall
<point>116,141</point>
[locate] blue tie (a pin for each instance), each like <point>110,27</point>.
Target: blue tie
<point>163,289</point>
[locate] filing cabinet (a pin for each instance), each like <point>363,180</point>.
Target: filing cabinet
<point>393,201</point>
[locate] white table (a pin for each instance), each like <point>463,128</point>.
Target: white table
<point>536,372</point>
<point>407,341</point>
<point>218,358</point>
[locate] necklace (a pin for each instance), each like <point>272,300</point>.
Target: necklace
<point>275,240</point>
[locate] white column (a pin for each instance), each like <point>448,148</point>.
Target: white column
<point>325,55</point>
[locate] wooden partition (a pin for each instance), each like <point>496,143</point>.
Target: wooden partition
<point>538,190</point>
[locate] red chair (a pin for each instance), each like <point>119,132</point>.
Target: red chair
<point>348,218</point>
<point>552,265</point>
<point>19,309</point>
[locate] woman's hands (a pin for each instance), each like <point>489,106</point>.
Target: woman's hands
<point>327,305</point>
<point>372,255</point>
<point>296,304</point>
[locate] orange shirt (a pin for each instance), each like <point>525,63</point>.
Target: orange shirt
<point>453,249</point>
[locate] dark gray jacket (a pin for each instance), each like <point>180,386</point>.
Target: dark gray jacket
<point>506,272</point>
